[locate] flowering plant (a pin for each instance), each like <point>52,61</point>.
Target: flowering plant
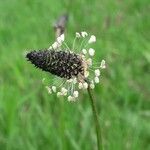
<point>74,67</point>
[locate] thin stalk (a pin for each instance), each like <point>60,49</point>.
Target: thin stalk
<point>95,115</point>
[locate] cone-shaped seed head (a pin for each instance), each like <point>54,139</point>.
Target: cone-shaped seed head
<point>60,63</point>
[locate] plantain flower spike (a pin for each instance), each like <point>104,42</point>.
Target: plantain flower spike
<point>73,67</point>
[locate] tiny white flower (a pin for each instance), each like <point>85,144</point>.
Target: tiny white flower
<point>92,86</point>
<point>84,34</point>
<point>89,61</point>
<point>96,80</point>
<point>64,91</point>
<point>64,94</point>
<point>59,94</point>
<point>75,94</point>
<point>55,45</point>
<point>48,89</point>
<point>78,35</point>
<point>54,88</point>
<point>83,56</point>
<point>103,65</point>
<point>70,80</point>
<point>92,39</point>
<point>86,74</point>
<point>80,85</point>
<point>85,85</point>
<point>97,72</point>
<point>70,98</point>
<point>91,52</point>
<point>84,51</point>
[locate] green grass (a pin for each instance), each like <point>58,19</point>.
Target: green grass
<point>30,119</point>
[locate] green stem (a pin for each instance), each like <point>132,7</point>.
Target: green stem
<point>95,115</point>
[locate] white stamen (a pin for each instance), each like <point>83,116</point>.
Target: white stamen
<point>70,98</point>
<point>48,89</point>
<point>89,62</point>
<point>84,51</point>
<point>75,94</point>
<point>84,34</point>
<point>96,80</point>
<point>54,89</point>
<point>86,74</point>
<point>80,85</point>
<point>78,35</point>
<point>83,56</point>
<point>92,39</point>
<point>59,94</point>
<point>85,85</point>
<point>103,65</point>
<point>92,86</point>
<point>64,91</point>
<point>97,72</point>
<point>91,52</point>
<point>70,80</point>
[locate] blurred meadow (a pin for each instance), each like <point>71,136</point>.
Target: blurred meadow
<point>31,119</point>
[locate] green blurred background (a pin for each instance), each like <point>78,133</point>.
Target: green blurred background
<point>30,119</point>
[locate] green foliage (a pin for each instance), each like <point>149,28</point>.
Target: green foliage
<point>30,119</point>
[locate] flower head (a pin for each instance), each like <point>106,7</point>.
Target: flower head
<point>75,70</point>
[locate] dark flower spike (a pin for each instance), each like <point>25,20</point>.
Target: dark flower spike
<point>76,69</point>
<point>61,63</point>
